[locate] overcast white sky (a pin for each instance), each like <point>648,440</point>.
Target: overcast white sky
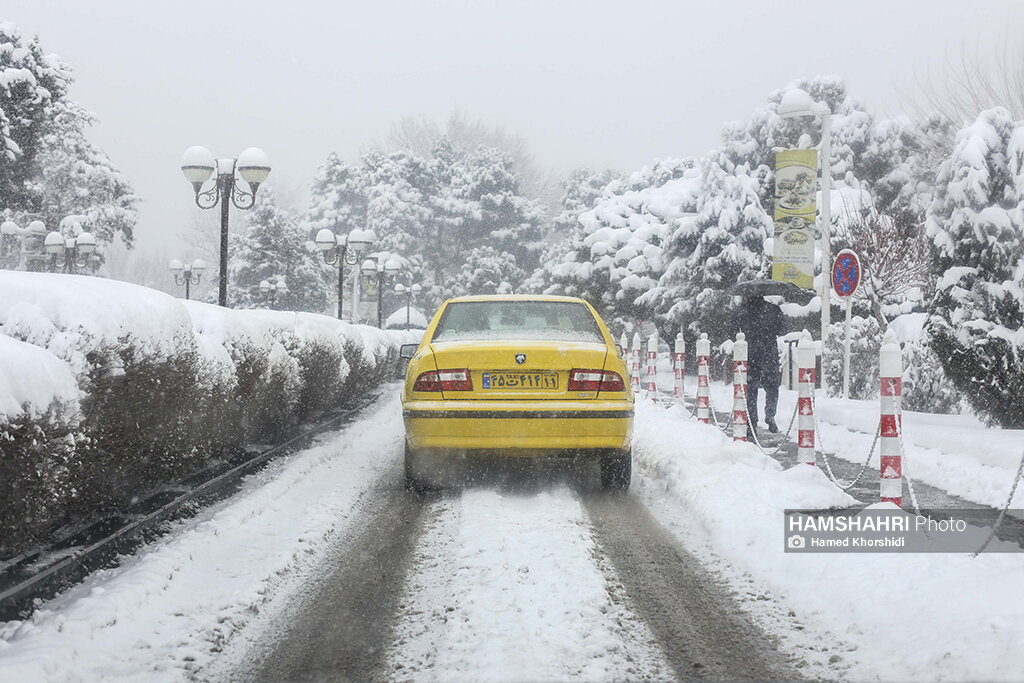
<point>586,83</point>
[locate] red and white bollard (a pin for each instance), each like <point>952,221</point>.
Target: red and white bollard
<point>890,365</point>
<point>805,361</point>
<point>739,388</point>
<point>679,363</point>
<point>703,365</point>
<point>652,368</point>
<point>634,366</point>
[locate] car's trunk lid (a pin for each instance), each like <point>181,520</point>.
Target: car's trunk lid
<point>527,370</point>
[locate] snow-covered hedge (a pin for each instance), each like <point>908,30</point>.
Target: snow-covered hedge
<point>108,390</point>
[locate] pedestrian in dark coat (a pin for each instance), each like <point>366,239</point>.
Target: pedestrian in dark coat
<point>763,324</point>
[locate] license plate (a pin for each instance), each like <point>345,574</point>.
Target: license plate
<point>520,380</point>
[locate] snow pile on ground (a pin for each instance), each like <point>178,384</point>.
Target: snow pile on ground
<point>168,613</point>
<point>526,603</point>
<point>895,616</point>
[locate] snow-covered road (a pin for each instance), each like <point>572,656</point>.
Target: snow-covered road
<point>323,566</point>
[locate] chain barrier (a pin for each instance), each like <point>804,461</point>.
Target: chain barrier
<point>1002,513</point>
<point>714,415</point>
<point>825,458</point>
<point>903,463</point>
<point>785,437</point>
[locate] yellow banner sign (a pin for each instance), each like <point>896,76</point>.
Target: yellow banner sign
<point>796,187</point>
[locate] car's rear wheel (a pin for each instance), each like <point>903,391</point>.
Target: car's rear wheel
<point>413,482</point>
<point>616,470</point>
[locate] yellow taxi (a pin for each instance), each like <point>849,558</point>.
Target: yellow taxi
<point>516,375</point>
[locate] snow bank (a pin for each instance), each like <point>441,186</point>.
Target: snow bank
<point>32,379</point>
<point>891,616</point>
<point>74,315</point>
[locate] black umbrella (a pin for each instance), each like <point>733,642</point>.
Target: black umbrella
<point>764,287</point>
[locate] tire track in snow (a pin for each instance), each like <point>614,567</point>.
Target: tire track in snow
<point>513,587</point>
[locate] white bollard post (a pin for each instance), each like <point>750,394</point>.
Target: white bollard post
<point>703,365</point>
<point>679,361</point>
<point>624,343</point>
<point>805,359</point>
<point>652,368</point>
<point>890,365</point>
<point>634,366</point>
<point>739,388</point>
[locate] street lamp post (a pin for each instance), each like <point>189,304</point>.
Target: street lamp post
<point>198,165</point>
<point>409,293</point>
<point>68,253</point>
<point>272,289</point>
<point>32,242</point>
<point>187,274</point>
<point>342,249</point>
<point>384,268</point>
<point>798,103</point>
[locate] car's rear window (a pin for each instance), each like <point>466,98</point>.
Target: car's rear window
<point>541,320</point>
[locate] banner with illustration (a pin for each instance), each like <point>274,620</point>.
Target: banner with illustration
<point>796,186</point>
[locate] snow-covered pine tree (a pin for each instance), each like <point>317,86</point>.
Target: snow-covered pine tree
<point>274,246</point>
<point>581,192</point>
<point>709,253</point>
<point>489,271</point>
<point>31,82</point>
<point>615,254</point>
<point>78,179</point>
<point>502,218</point>
<point>976,315</point>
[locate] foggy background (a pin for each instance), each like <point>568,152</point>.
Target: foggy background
<point>595,83</point>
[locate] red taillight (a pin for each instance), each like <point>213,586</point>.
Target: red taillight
<point>585,380</point>
<point>443,380</point>
<point>427,381</point>
<point>612,381</point>
<point>595,380</point>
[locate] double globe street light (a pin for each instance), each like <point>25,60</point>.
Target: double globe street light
<point>32,238</point>
<point>384,268</point>
<point>188,274</point>
<point>199,165</point>
<point>272,289</point>
<point>409,292</point>
<point>342,249</point>
<point>69,253</point>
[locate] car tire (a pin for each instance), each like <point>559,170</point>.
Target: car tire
<point>616,470</point>
<point>412,481</point>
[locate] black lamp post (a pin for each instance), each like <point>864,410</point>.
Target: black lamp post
<point>384,269</point>
<point>342,249</point>
<point>69,253</point>
<point>188,274</point>
<point>272,289</point>
<point>409,293</point>
<point>198,165</point>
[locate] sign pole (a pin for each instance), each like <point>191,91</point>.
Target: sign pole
<point>846,350</point>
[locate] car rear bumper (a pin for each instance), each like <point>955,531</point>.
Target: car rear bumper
<point>518,427</point>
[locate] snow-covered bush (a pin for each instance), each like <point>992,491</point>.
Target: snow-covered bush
<point>865,342</point>
<point>108,390</point>
<point>977,257</point>
<point>925,385</point>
